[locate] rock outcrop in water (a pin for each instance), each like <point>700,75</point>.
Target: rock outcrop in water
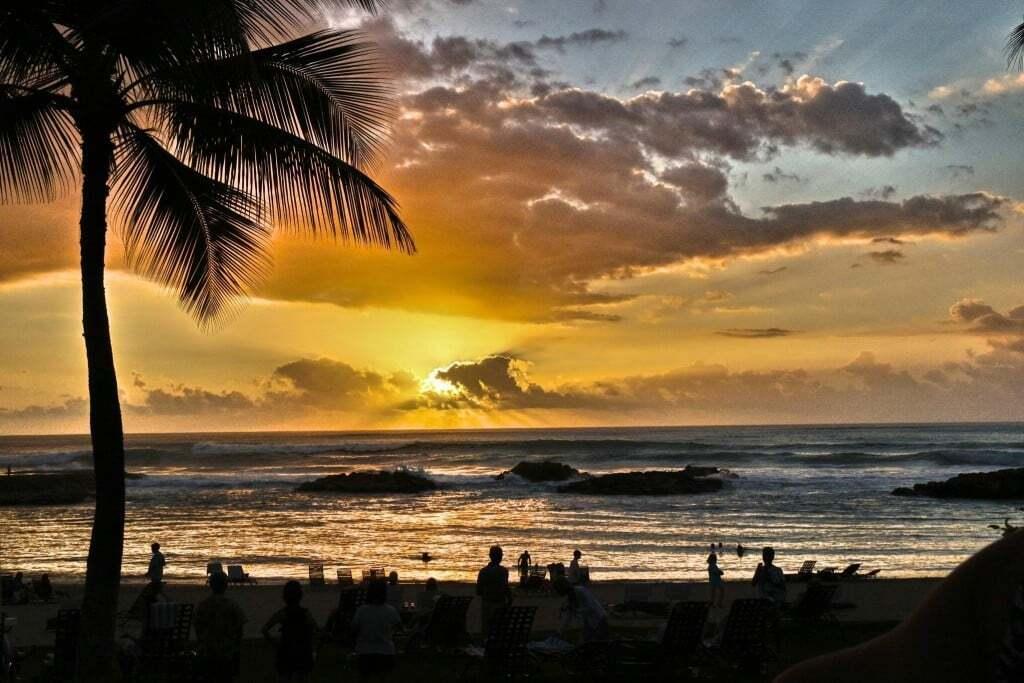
<point>64,488</point>
<point>654,483</point>
<point>370,481</point>
<point>545,470</point>
<point>999,485</point>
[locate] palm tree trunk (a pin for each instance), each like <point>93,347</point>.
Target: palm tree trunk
<point>97,646</point>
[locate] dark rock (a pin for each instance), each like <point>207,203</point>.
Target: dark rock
<point>370,481</point>
<point>998,485</point>
<point>64,488</point>
<point>546,470</point>
<point>654,483</point>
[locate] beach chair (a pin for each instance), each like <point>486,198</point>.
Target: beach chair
<point>850,572</point>
<point>163,653</point>
<point>816,604</point>
<point>871,574</point>
<point>67,627</point>
<point>213,568</point>
<point>806,571</point>
<point>446,628</point>
<point>678,650</point>
<point>237,575</point>
<point>373,574</point>
<point>744,642</point>
<point>339,624</point>
<point>505,655</point>
<point>345,577</point>
<point>316,574</point>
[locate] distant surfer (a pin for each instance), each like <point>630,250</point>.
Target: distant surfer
<point>425,556</point>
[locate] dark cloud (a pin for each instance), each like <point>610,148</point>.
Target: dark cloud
<point>887,257</point>
<point>777,175</point>
<point>984,319</point>
<point>888,240</point>
<point>773,271</point>
<point>697,182</point>
<point>958,171</point>
<point>678,42</point>
<point>69,410</point>
<point>588,38</point>
<point>646,82</point>
<point>755,332</point>
<point>880,192</point>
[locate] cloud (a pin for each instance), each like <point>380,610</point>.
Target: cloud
<point>958,171</point>
<point>755,333</point>
<point>777,175</point>
<point>984,319</point>
<point>881,192</point>
<point>678,42</point>
<point>887,257</point>
<point>588,38</point>
<point>773,271</point>
<point>888,240</point>
<point>645,83</point>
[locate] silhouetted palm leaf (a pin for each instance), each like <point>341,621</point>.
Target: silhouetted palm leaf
<point>38,146</point>
<point>1015,48</point>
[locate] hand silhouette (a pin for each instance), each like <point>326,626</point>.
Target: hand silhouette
<point>957,634</point>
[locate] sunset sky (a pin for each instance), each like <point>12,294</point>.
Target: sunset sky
<point>626,212</point>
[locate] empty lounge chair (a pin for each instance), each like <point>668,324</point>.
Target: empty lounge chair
<point>850,571</point>
<point>446,628</point>
<point>236,574</point>
<point>316,574</point>
<point>745,638</point>
<point>679,647</point>
<point>374,573</point>
<point>345,577</point>
<point>505,655</point>
<point>213,568</point>
<point>806,571</point>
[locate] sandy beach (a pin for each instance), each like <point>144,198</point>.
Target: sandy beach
<point>873,601</point>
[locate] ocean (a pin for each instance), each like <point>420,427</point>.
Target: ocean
<point>812,492</point>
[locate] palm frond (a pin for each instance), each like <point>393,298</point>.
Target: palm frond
<point>328,88</point>
<point>186,230</point>
<point>267,21</point>
<point>38,146</point>
<point>31,47</point>
<point>1014,49</point>
<point>302,184</point>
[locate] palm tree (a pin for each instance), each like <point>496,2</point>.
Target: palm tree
<point>1014,49</point>
<point>196,124</point>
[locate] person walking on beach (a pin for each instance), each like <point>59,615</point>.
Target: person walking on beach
<point>492,587</point>
<point>581,605</point>
<point>715,581</point>
<point>157,561</point>
<point>524,567</point>
<point>769,581</point>
<point>294,660</point>
<point>373,626</point>
<point>219,622</point>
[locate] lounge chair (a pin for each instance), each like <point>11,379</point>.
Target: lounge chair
<point>236,574</point>
<point>871,574</point>
<point>446,628</point>
<point>744,641</point>
<point>163,652</point>
<point>850,571</point>
<point>67,627</point>
<point>345,577</point>
<point>679,648</point>
<point>805,572</point>
<point>374,573</point>
<point>213,568</point>
<point>316,574</point>
<point>816,604</point>
<point>505,655</point>
<point>339,624</point>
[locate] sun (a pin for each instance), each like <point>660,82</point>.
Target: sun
<point>435,385</point>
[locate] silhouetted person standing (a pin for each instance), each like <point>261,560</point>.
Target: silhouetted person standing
<point>492,587</point>
<point>574,568</point>
<point>294,661</point>
<point>769,580</point>
<point>715,581</point>
<point>219,624</point>
<point>374,625</point>
<point>524,567</point>
<point>155,572</point>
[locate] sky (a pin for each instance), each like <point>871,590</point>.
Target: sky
<point>627,212</point>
